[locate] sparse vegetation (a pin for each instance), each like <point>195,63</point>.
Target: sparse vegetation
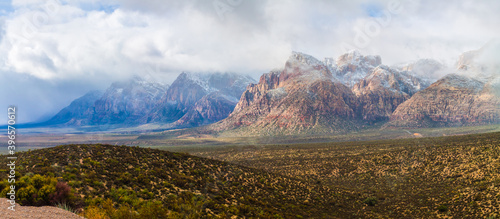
<point>423,177</point>
<point>148,183</point>
<point>453,176</point>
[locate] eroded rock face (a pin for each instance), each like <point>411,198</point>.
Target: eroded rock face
<point>302,96</point>
<point>351,67</point>
<point>383,90</point>
<point>126,102</point>
<point>209,109</point>
<point>451,101</point>
<point>183,95</point>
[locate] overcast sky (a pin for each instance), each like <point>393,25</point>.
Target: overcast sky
<point>53,51</point>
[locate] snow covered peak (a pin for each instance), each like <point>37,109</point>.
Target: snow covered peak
<point>391,79</point>
<point>198,79</point>
<point>304,59</point>
<point>351,67</point>
<point>460,81</point>
<point>354,57</point>
<point>428,68</point>
<point>481,64</point>
<point>304,68</point>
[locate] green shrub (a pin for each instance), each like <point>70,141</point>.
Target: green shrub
<point>38,190</point>
<point>443,208</point>
<point>371,201</point>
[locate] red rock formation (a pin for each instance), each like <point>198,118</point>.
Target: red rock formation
<point>301,97</point>
<point>383,90</point>
<point>451,101</point>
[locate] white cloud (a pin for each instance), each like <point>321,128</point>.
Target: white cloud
<point>66,40</point>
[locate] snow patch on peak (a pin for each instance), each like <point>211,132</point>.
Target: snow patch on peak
<point>460,81</point>
<point>351,67</point>
<point>303,68</point>
<point>277,93</point>
<point>198,79</point>
<point>354,57</point>
<point>304,59</point>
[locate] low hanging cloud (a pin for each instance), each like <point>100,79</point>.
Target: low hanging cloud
<point>63,41</point>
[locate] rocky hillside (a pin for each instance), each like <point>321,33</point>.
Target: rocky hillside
<point>126,102</point>
<point>383,90</point>
<point>310,96</point>
<point>454,100</point>
<point>181,99</point>
<point>211,108</point>
<point>351,67</point>
<point>306,96</point>
<point>301,97</point>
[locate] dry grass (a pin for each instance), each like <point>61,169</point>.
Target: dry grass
<point>426,177</point>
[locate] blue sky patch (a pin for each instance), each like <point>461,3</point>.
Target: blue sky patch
<point>6,7</point>
<point>373,10</point>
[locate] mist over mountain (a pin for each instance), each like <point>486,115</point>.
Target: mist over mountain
<point>306,95</point>
<point>194,99</point>
<point>77,110</point>
<point>470,97</point>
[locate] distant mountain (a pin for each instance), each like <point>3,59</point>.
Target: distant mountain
<point>211,108</point>
<point>302,97</point>
<point>186,92</point>
<point>77,110</point>
<point>126,102</point>
<point>306,96</point>
<point>123,103</point>
<point>469,97</point>
<point>454,100</point>
<point>193,99</point>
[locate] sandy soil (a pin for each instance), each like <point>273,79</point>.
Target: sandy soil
<point>33,212</point>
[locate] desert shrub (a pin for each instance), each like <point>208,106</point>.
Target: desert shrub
<point>124,211</point>
<point>61,194</point>
<point>38,190</point>
<point>153,209</point>
<point>94,212</point>
<point>443,208</point>
<point>370,201</point>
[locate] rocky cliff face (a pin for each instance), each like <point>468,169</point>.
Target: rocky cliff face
<point>182,94</point>
<point>456,99</point>
<point>126,102</point>
<point>351,67</point>
<point>451,101</point>
<point>188,89</point>
<point>301,97</point>
<point>383,90</point>
<point>209,109</point>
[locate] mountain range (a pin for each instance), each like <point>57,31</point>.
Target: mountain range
<point>306,95</point>
<point>193,99</point>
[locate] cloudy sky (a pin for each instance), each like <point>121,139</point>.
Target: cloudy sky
<point>53,51</point>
